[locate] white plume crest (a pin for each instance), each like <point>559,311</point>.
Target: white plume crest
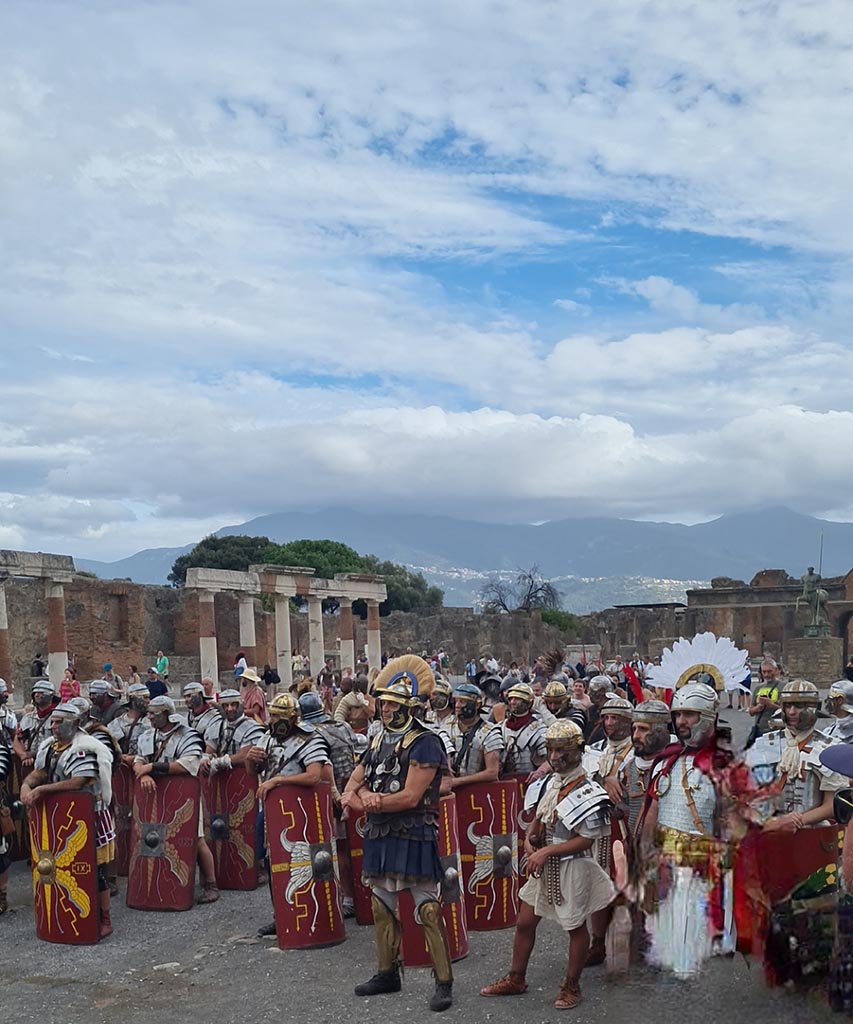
<point>716,655</point>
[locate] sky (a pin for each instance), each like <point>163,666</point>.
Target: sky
<point>503,261</point>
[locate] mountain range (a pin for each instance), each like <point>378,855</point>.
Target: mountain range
<point>595,561</point>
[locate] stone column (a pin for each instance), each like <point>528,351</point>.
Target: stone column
<point>57,638</point>
<point>207,637</point>
<point>283,643</point>
<point>5,659</point>
<point>347,635</point>
<point>374,641</point>
<point>316,644</point>
<point>247,630</point>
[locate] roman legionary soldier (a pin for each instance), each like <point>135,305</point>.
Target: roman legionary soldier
<point>5,811</point>
<point>599,691</point>
<point>607,763</point>
<point>682,825</point>
<point>523,734</point>
<point>133,723</point>
<point>440,711</point>
<point>566,883</point>
<point>478,744</point>
<point>650,733</point>
<point>35,725</point>
<point>73,760</point>
<point>202,712</point>
<point>175,748</point>
<point>839,704</point>
<point>105,696</point>
<point>397,785</point>
<point>293,752</point>
<point>803,789</point>
<point>230,736</point>
<point>8,719</point>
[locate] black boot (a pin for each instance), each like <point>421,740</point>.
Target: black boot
<point>382,981</point>
<point>442,998</point>
<point>435,933</point>
<point>266,930</point>
<point>387,978</point>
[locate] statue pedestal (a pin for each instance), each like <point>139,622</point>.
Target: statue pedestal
<point>817,658</point>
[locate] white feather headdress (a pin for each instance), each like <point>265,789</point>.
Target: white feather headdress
<point>716,655</point>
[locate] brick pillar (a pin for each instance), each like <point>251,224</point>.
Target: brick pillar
<point>208,659</point>
<point>347,634</point>
<point>316,644</point>
<point>247,630</point>
<point>5,658</point>
<point>283,642</point>
<point>374,640</point>
<point>57,639</point>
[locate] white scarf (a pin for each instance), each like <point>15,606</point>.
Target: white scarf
<point>547,809</point>
<point>614,754</point>
<point>105,762</point>
<point>791,760</point>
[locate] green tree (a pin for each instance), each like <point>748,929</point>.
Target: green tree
<point>326,557</point>
<point>566,622</point>
<point>230,552</point>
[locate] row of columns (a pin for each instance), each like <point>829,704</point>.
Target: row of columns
<point>283,636</point>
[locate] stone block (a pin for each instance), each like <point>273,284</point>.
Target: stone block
<point>820,659</point>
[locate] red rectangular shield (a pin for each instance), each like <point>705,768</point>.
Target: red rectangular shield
<point>65,877</point>
<point>361,893</point>
<point>414,947</point>
<point>163,844</point>
<point>231,810</point>
<point>122,799</point>
<point>304,872</point>
<point>488,843</point>
<point>768,867</point>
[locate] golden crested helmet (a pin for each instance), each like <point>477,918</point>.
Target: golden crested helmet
<point>554,691</point>
<point>285,707</point>
<point>404,680</point>
<point>617,706</point>
<point>564,733</point>
<point>799,691</point>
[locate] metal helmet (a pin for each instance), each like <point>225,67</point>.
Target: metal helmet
<point>472,696</point>
<point>44,686</point>
<point>441,692</point>
<point>599,685</point>
<point>164,705</point>
<point>523,692</point>
<point>228,695</point>
<point>841,690</point>
<point>701,698</point>
<point>618,706</point>
<point>68,718</point>
<point>564,733</point>
<point>191,688</point>
<point>805,695</point>
<point>799,691</point>
<point>83,706</point>
<point>137,690</point>
<point>285,708</point>
<point>655,714</point>
<point>311,706</point>
<point>555,693</point>
<point>3,687</point>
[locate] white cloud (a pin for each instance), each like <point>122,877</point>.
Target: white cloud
<point>242,262</point>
